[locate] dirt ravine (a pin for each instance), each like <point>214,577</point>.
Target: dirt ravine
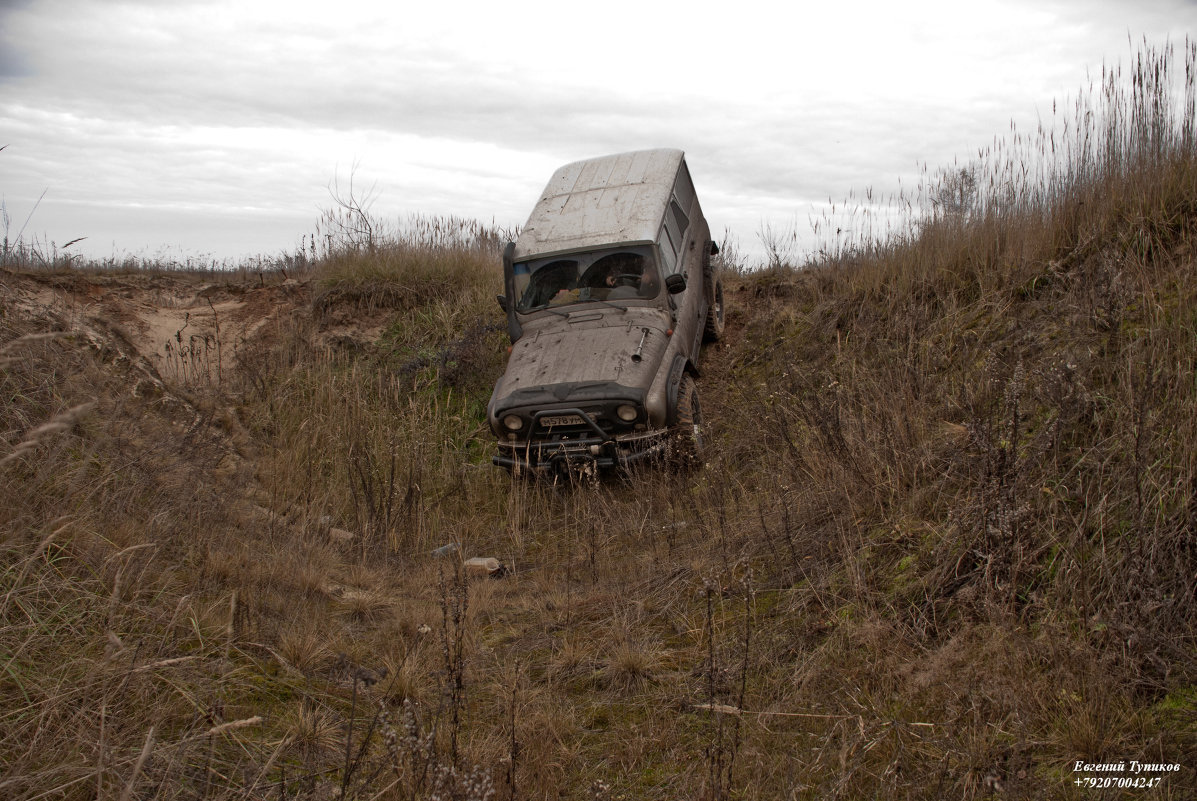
<point>176,323</point>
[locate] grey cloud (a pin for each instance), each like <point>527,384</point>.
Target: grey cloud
<point>118,96</point>
<point>13,63</point>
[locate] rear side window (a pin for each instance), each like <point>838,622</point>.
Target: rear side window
<point>683,189</point>
<point>679,216</point>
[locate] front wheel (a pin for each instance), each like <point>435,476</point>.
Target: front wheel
<point>713,330</point>
<point>686,444</point>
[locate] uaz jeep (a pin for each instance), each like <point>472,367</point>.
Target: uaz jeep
<point>610,291</point>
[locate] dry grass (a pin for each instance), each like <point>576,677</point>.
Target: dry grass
<point>942,547</point>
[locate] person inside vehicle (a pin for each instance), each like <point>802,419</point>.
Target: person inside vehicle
<point>616,275</point>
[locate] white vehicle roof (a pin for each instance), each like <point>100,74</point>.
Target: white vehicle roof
<point>610,200</point>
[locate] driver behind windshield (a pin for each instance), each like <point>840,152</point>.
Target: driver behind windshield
<point>615,276</point>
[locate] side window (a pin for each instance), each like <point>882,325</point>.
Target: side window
<point>668,250</point>
<point>677,221</point>
<point>674,232</point>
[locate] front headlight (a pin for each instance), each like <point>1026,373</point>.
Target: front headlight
<point>513,422</point>
<point>626,412</point>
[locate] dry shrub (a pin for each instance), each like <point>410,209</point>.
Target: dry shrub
<point>428,261</point>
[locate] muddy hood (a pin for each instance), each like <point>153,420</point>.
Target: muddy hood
<point>587,356</point>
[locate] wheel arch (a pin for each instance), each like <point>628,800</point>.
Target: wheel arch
<point>681,366</point>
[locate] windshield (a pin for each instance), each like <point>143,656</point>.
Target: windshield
<point>611,275</point>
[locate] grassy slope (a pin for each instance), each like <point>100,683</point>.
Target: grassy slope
<point>944,540</point>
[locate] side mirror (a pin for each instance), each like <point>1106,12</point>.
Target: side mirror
<point>502,301</point>
<point>676,283</point>
<point>714,248</point>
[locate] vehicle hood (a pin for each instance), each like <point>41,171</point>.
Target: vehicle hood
<point>585,355</point>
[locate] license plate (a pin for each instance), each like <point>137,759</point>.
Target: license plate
<point>561,420</point>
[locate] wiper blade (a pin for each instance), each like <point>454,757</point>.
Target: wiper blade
<point>562,312</point>
<point>608,303</point>
<point>545,307</point>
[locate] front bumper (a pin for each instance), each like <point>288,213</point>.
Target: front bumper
<point>546,452</point>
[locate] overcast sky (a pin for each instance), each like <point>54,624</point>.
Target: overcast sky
<point>215,128</point>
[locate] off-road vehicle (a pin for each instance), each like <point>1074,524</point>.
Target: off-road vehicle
<point>609,292</point>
